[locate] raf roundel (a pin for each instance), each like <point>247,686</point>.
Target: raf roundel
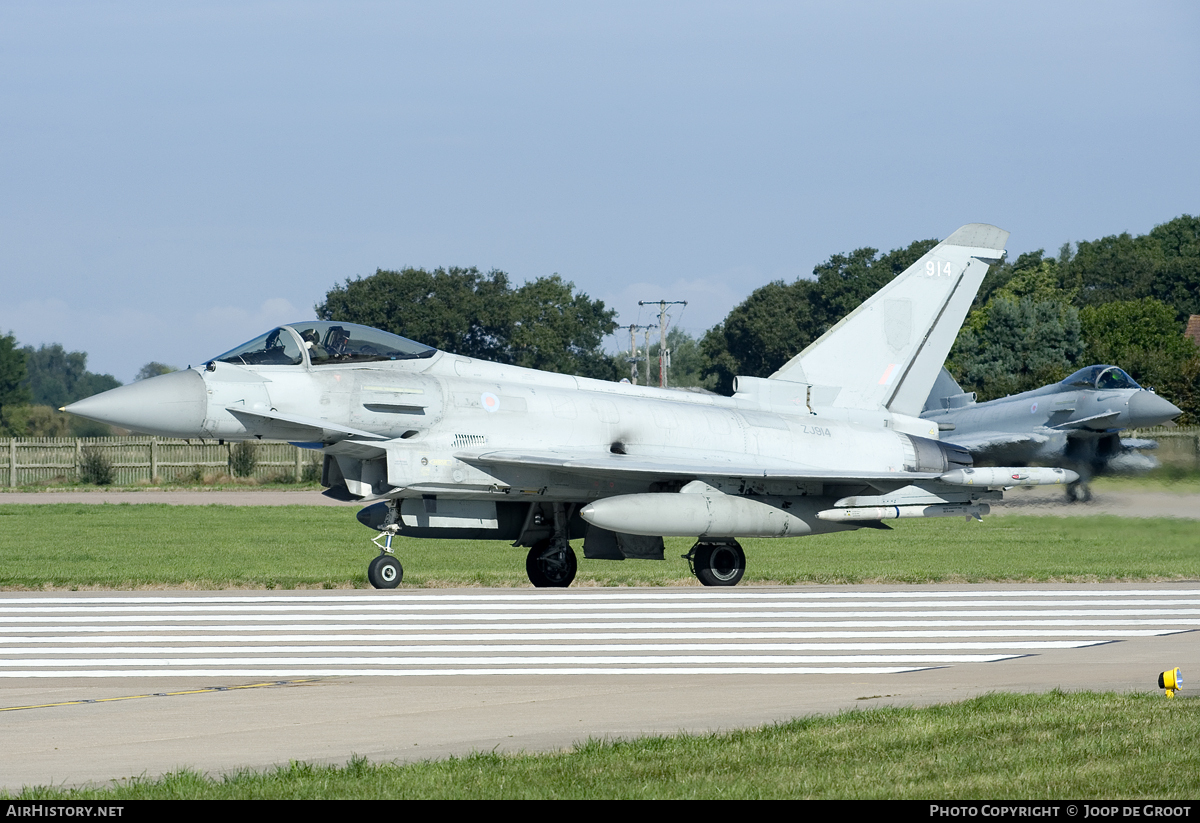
<point>1033,409</point>
<point>489,401</point>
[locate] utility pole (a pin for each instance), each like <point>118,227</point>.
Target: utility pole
<point>633,353</point>
<point>646,350</point>
<point>663,320</point>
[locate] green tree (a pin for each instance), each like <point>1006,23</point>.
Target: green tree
<point>1164,264</point>
<point>1020,344</point>
<point>153,369</point>
<point>57,377</point>
<point>778,320</point>
<point>687,362</point>
<point>42,421</point>
<point>845,281</point>
<point>456,310</point>
<point>1144,338</point>
<point>13,391</point>
<point>555,329</point>
<point>1032,276</point>
<point>762,332</point>
<point>1177,280</point>
<point>544,324</point>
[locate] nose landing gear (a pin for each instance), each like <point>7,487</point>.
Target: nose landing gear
<point>385,571</point>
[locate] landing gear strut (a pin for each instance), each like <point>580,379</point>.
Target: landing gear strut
<point>551,563</point>
<point>1079,492</point>
<point>717,564</point>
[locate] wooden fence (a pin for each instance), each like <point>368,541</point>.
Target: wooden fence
<point>1177,445</point>
<point>42,460</point>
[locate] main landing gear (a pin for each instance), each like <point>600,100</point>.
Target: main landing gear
<point>551,566</point>
<point>1079,492</point>
<point>717,563</point>
<point>551,563</point>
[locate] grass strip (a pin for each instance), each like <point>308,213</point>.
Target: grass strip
<point>1080,745</point>
<point>124,546</point>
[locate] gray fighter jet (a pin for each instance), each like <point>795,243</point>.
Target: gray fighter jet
<point>1075,423</point>
<point>445,446</point>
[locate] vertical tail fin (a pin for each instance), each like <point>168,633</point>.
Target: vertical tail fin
<point>888,352</point>
<point>945,388</point>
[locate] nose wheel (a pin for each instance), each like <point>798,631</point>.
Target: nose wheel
<point>385,572</point>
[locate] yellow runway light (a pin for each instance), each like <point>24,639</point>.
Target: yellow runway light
<point>1171,680</point>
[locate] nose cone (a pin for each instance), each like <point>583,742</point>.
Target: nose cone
<point>1148,409</point>
<point>171,405</point>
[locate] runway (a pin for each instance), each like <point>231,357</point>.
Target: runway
<point>575,632</point>
<point>98,686</point>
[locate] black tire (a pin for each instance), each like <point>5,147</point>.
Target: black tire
<point>1079,492</point>
<point>385,572</point>
<point>719,564</point>
<point>550,572</point>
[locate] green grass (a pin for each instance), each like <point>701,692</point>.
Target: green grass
<point>1001,746</point>
<point>213,547</point>
<point>1166,479</point>
<point>221,482</point>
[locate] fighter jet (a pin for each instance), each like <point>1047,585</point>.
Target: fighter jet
<point>440,445</point>
<point>1075,423</point>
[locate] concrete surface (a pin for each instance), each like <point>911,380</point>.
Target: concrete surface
<point>329,718</point>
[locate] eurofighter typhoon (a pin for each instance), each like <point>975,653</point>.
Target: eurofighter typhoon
<point>1076,423</point>
<point>445,446</point>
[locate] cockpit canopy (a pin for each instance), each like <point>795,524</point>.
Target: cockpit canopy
<point>1101,377</point>
<point>324,342</point>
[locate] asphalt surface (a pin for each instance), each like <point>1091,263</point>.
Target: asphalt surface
<point>102,686</point>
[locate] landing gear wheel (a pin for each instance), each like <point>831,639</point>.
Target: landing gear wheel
<point>718,564</point>
<point>385,572</point>
<point>550,569</point>
<point>1079,492</point>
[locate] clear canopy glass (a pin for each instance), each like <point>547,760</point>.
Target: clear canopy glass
<point>278,347</point>
<point>1102,377</point>
<point>324,342</point>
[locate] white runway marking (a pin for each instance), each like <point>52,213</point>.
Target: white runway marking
<point>577,632</point>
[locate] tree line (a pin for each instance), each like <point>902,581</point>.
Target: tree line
<point>36,383</point>
<point>1120,300</point>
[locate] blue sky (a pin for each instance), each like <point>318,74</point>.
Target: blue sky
<point>178,177</point>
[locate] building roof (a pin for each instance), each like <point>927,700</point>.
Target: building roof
<point>1193,329</point>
